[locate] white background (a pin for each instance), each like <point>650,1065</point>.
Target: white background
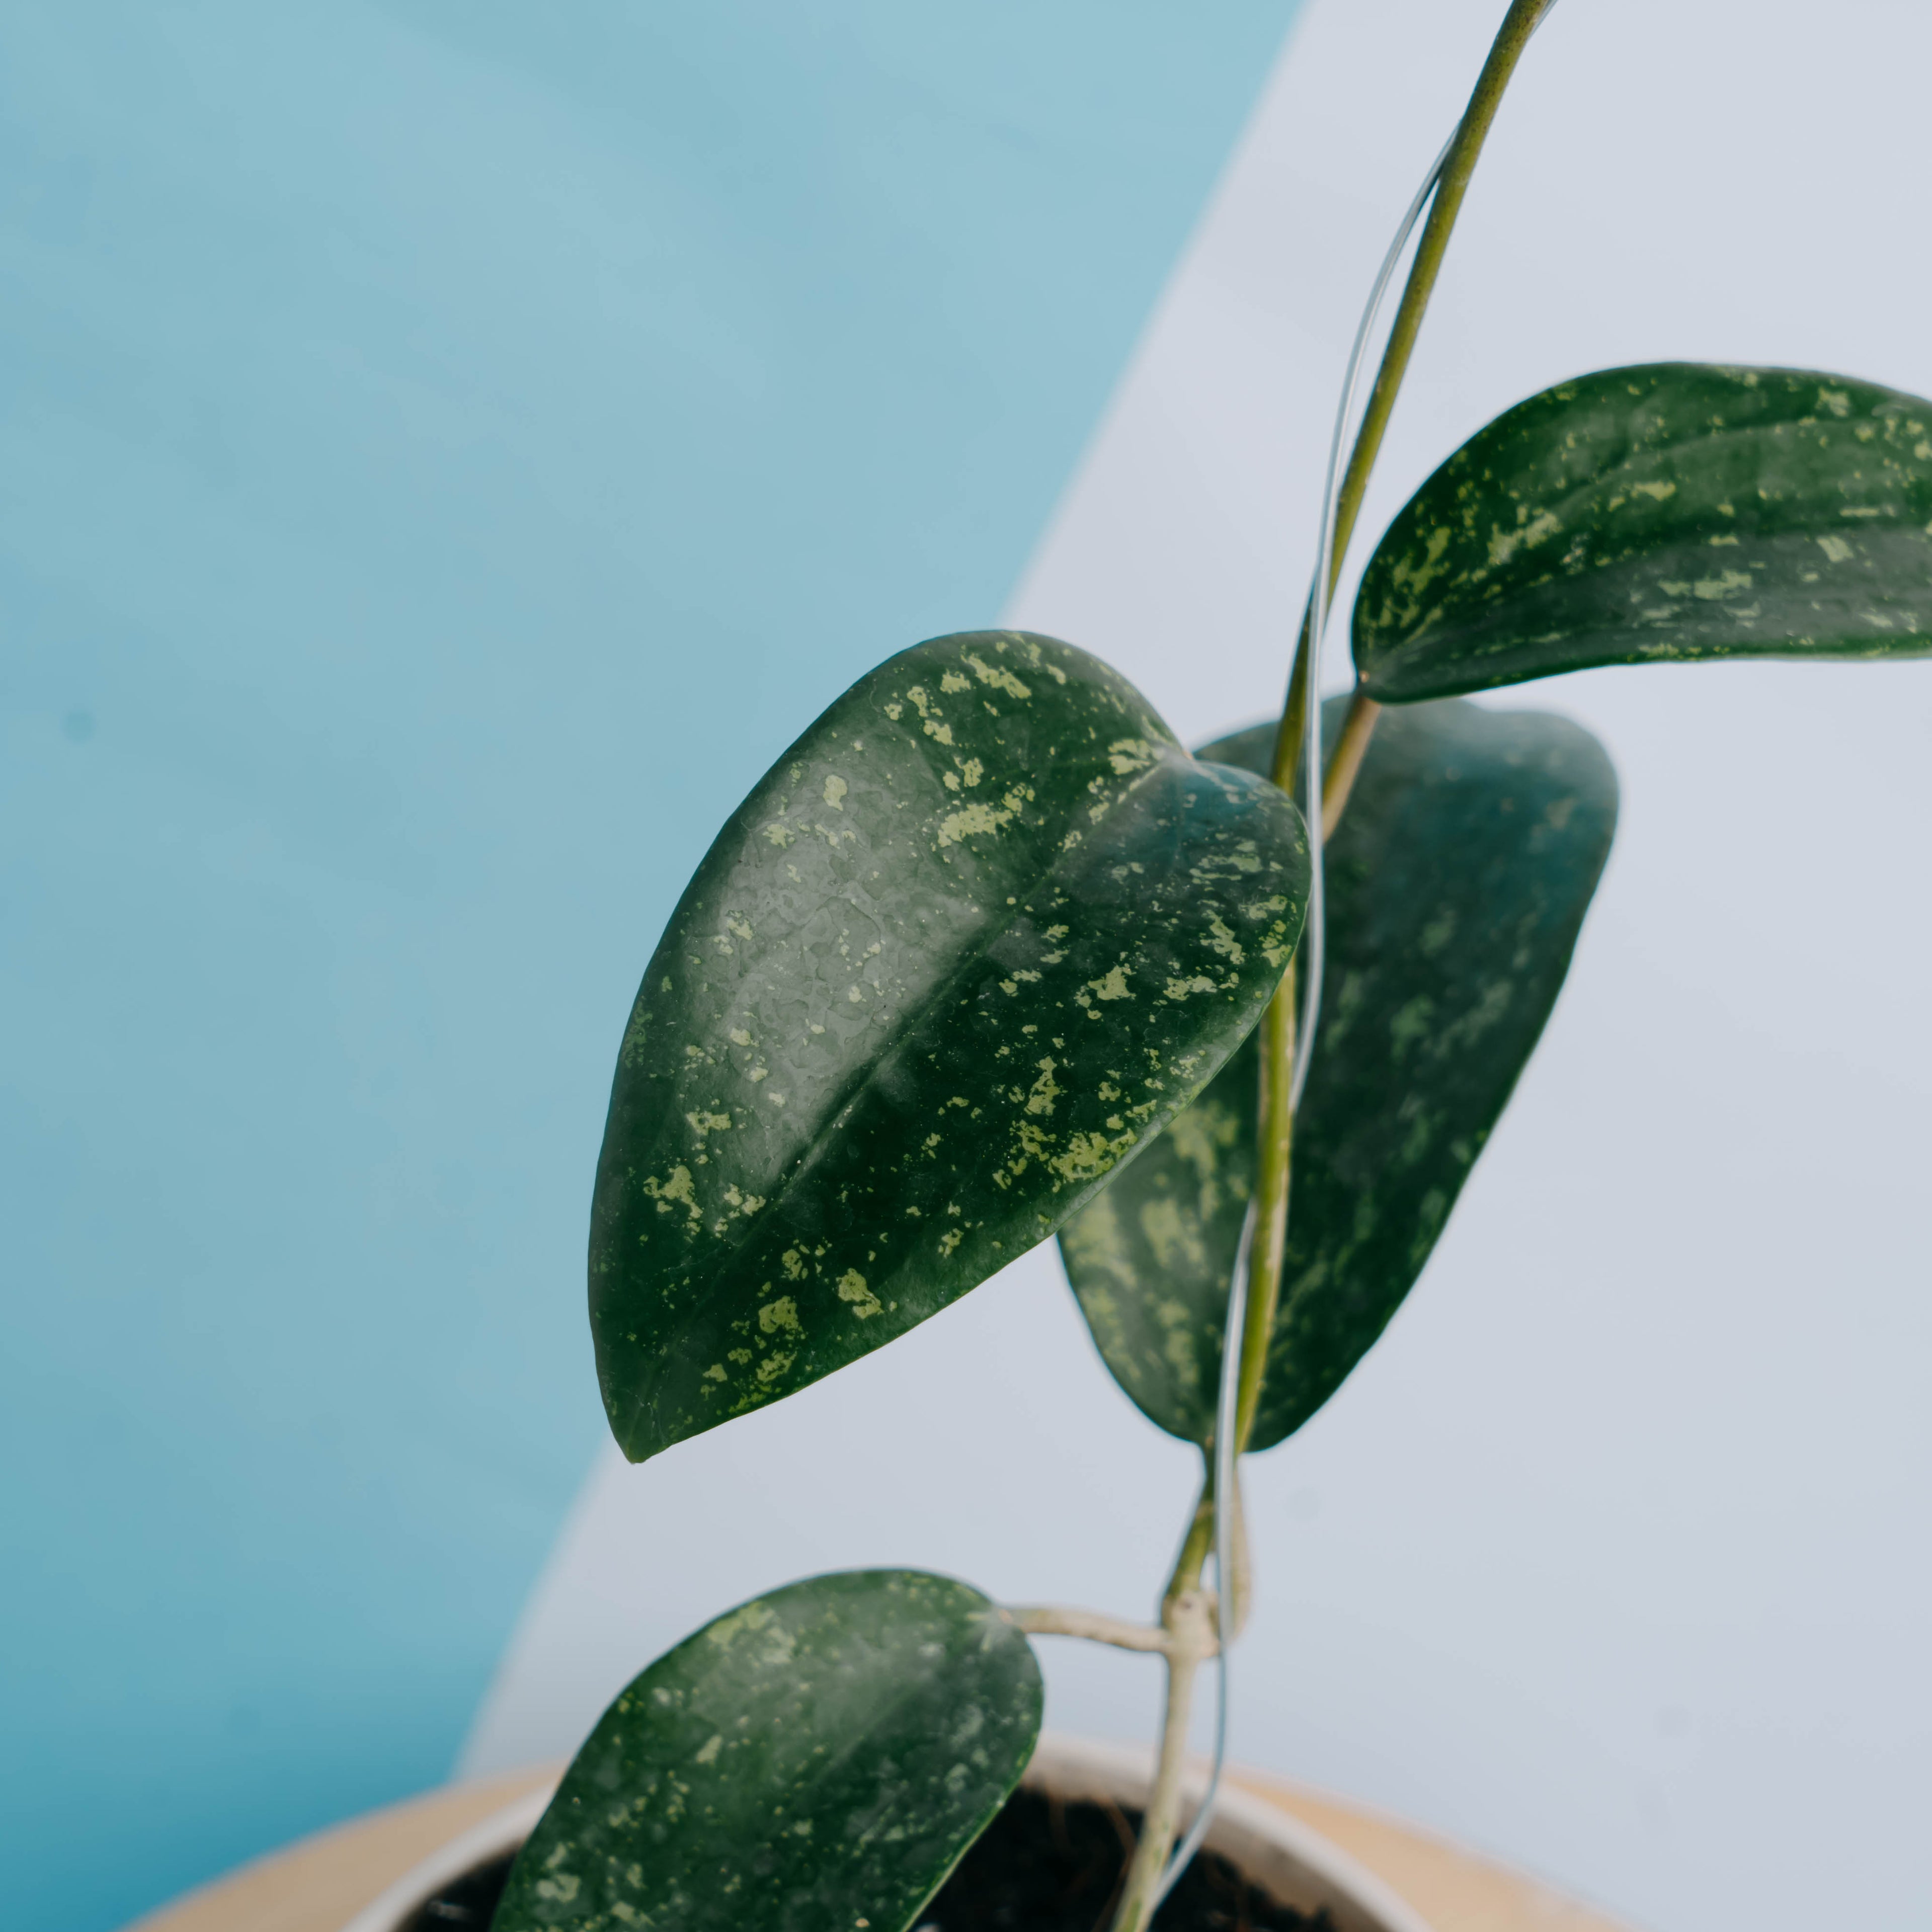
<point>1611,1557</point>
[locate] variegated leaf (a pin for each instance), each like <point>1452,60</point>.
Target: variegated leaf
<point>815,1761</point>
<point>1657,514</point>
<point>1457,883</point>
<point>978,934</point>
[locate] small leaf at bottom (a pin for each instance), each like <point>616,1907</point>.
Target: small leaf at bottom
<point>817,1760</point>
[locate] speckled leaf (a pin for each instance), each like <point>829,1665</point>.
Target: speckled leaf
<point>977,935</point>
<point>816,1761</point>
<point>1457,886</point>
<point>1672,511</point>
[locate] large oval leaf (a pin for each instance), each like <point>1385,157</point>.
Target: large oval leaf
<point>982,931</point>
<point>1457,883</point>
<point>817,1759</point>
<point>1671,512</point>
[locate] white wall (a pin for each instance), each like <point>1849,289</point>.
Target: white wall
<point>1611,1557</point>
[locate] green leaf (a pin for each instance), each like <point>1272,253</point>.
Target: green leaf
<point>1672,511</point>
<point>1457,883</point>
<point>978,934</point>
<point>817,1759</point>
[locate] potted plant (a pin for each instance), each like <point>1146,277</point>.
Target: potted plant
<point>987,956</point>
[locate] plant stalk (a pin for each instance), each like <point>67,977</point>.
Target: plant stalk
<point>1061,1620</point>
<point>1344,762</point>
<point>1512,37</point>
<point>1274,1152</point>
<point>1186,1612</point>
<point>1188,1616</point>
<point>1266,1251</point>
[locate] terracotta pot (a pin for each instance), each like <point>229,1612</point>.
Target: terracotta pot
<point>1279,1853</point>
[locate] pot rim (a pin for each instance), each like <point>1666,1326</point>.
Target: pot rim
<point>1273,1847</point>
<point>501,1831</point>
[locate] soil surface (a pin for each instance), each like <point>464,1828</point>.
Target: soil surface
<point>1041,1866</point>
<point>467,1905</point>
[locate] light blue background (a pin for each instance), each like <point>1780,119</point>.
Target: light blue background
<point>447,449</point>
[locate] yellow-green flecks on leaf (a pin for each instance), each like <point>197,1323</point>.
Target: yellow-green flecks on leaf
<point>1044,1092</point>
<point>1221,937</point>
<point>1088,1155</point>
<point>997,677</point>
<point>852,1288</point>
<point>1112,984</point>
<point>931,721</point>
<point>781,1314</point>
<point>676,1192</point>
<point>635,1032</point>
<point>1504,544</point>
<point>1410,1023</point>
<point>976,816</point>
<point>834,790</point>
<point>747,1619</point>
<point>1726,584</point>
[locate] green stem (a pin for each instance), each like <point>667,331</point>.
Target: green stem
<point>1190,1622</point>
<point>1512,37</point>
<point>1196,1543</point>
<point>1266,1250</point>
<point>1267,1244</point>
<point>1187,1616</point>
<point>1344,762</point>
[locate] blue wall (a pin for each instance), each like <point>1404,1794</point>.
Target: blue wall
<point>449,449</point>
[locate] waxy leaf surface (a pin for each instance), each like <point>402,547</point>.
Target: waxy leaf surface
<point>975,938</point>
<point>1673,512</point>
<point>817,1759</point>
<point>1457,883</point>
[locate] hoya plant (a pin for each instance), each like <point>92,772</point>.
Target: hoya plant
<point>989,956</point>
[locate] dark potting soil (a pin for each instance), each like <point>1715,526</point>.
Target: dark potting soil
<point>1041,1866</point>
<point>467,1904</point>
